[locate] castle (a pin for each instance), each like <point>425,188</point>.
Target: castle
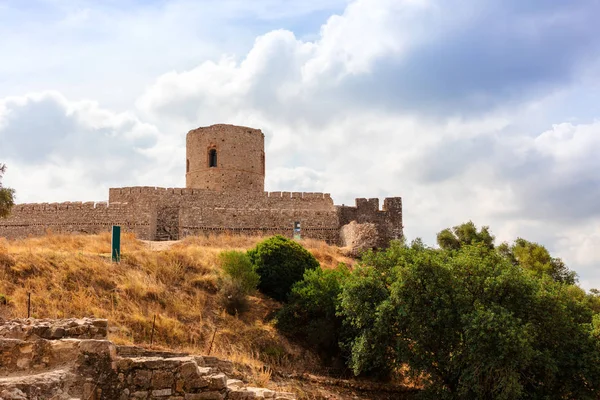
<point>224,193</point>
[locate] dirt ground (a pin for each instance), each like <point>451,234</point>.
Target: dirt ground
<point>159,246</point>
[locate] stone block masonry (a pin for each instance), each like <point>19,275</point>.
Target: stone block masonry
<point>174,213</point>
<point>38,219</point>
<point>224,194</point>
<point>79,363</point>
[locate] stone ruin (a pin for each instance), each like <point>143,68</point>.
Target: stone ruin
<point>224,193</point>
<point>72,359</point>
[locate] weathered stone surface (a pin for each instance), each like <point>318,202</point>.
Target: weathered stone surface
<point>217,382</point>
<point>234,384</point>
<point>262,393</point>
<point>241,395</point>
<point>161,392</point>
<point>222,199</point>
<point>193,376</point>
<point>70,369</point>
<point>204,396</point>
<point>12,394</point>
<point>223,366</point>
<point>142,378</point>
<point>162,379</point>
<point>356,238</point>
<point>284,396</point>
<point>25,329</point>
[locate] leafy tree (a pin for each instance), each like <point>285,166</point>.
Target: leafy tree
<point>365,308</point>
<point>280,262</point>
<point>536,258</point>
<point>464,234</point>
<point>472,322</point>
<point>7,196</point>
<point>310,312</point>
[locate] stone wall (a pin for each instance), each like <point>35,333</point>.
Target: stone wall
<point>388,220</point>
<point>185,212</point>
<point>76,365</point>
<point>239,154</point>
<point>75,217</point>
<point>147,195</point>
<point>173,213</point>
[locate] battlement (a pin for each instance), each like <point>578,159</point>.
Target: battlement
<point>151,196</point>
<point>152,190</point>
<point>225,171</point>
<point>67,205</point>
<point>388,219</point>
<point>363,205</point>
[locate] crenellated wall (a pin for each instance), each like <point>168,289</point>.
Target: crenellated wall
<point>388,220</point>
<point>231,199</point>
<point>173,213</point>
<point>75,217</point>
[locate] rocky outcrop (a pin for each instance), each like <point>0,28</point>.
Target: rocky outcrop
<point>71,359</point>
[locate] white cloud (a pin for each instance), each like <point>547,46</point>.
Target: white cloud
<point>60,148</point>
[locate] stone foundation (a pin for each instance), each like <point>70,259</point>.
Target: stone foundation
<point>71,359</point>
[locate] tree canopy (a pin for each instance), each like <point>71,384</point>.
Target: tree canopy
<point>464,234</point>
<point>7,196</point>
<point>476,324</point>
<point>469,319</point>
<point>537,258</point>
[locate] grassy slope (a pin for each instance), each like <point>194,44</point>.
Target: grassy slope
<point>72,276</point>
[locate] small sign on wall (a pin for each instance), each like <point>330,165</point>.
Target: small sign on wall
<point>297,235</point>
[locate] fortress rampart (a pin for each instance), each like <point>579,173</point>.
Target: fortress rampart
<point>74,217</point>
<point>224,204</point>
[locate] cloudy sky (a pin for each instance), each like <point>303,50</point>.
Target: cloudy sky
<point>488,111</point>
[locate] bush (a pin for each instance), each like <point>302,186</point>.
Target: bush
<point>239,280</point>
<point>280,263</point>
<point>238,267</point>
<point>310,313</point>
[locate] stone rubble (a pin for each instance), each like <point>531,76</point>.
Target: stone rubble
<point>72,360</point>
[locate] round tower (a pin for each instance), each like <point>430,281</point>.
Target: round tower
<point>225,158</point>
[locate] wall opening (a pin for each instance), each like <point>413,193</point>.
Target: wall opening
<point>263,162</point>
<point>212,158</point>
<point>187,165</point>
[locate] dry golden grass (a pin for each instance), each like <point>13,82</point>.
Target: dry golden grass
<point>73,276</point>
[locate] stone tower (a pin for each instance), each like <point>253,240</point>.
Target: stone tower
<point>225,158</point>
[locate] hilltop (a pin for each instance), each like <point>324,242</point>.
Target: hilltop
<point>176,283</point>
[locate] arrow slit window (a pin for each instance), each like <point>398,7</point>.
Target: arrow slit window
<point>212,158</point>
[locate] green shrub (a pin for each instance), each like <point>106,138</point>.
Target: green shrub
<point>310,313</point>
<point>237,266</point>
<point>239,280</point>
<point>280,263</point>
